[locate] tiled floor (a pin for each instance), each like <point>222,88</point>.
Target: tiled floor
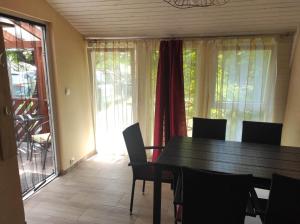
<point>97,191</point>
<point>31,170</point>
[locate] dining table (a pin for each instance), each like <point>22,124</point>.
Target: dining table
<point>260,160</point>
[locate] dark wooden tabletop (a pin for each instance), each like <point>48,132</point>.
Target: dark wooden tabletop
<point>232,157</point>
<point>225,156</point>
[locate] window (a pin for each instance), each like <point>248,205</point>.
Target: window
<point>244,85</point>
<point>189,75</point>
<point>223,78</point>
<point>233,79</point>
<point>114,80</point>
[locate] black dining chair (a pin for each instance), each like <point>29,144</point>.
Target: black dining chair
<point>214,198</point>
<point>202,128</point>
<point>141,168</point>
<point>209,128</point>
<point>262,132</point>
<point>283,205</point>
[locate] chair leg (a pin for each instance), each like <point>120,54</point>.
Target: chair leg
<point>262,218</point>
<point>31,146</point>
<point>132,195</point>
<point>175,213</point>
<point>144,186</point>
<point>44,159</point>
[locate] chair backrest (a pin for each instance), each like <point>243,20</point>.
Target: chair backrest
<point>214,198</point>
<point>20,132</point>
<point>135,144</point>
<point>209,128</point>
<point>40,127</point>
<point>262,132</point>
<point>284,201</point>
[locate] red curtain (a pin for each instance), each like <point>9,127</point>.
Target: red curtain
<point>169,118</point>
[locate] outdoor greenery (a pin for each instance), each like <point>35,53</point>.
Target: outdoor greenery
<point>189,74</point>
<point>114,77</point>
<point>22,69</point>
<point>114,68</point>
<point>20,55</point>
<point>240,79</point>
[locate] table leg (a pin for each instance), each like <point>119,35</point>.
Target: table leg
<point>157,195</point>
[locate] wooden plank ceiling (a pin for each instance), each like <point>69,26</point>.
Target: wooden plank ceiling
<point>156,18</point>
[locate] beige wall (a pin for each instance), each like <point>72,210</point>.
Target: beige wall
<point>283,76</point>
<point>73,119</point>
<point>291,129</point>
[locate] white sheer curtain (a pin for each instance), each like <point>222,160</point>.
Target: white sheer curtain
<point>245,84</point>
<point>123,90</point>
<point>235,79</point>
<point>199,69</point>
<point>146,67</point>
<point>223,78</point>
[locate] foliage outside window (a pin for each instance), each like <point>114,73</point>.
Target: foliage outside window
<point>22,69</point>
<point>189,73</point>
<point>239,74</point>
<point>240,87</point>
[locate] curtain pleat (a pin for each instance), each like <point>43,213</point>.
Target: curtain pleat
<point>146,70</point>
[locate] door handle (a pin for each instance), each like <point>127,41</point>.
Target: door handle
<point>7,111</point>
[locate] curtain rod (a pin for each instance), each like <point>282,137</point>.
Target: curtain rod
<point>190,37</point>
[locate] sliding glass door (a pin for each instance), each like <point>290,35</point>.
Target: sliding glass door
<point>26,64</point>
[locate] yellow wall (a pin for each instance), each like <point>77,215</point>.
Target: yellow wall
<point>291,128</point>
<point>73,119</point>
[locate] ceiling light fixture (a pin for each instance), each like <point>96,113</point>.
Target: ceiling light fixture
<point>185,4</point>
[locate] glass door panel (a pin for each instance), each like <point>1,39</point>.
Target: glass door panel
<point>26,63</point>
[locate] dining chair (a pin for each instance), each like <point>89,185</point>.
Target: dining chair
<point>141,168</point>
<point>262,132</point>
<point>209,128</point>
<point>20,134</point>
<point>283,205</point>
<point>214,197</point>
<point>202,128</point>
<point>22,130</point>
<point>41,140</point>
